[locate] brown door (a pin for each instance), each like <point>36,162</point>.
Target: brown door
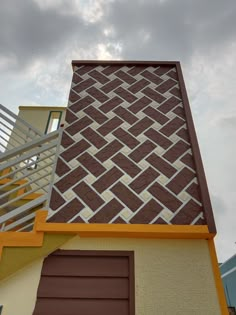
<point>77,282</point>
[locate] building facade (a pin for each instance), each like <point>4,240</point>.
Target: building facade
<point>129,226</point>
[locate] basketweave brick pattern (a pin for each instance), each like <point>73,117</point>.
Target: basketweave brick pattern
<point>125,153</point>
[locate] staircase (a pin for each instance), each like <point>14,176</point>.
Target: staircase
<point>27,167</point>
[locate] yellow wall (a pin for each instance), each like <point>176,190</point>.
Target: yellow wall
<point>18,292</point>
<point>37,116</point>
<point>171,277</point>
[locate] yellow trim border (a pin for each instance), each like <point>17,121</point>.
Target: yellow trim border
<point>217,276</point>
<point>35,238</point>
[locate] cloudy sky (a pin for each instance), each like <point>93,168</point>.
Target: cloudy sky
<point>39,38</point>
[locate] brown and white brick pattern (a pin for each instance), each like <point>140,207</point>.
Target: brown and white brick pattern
<point>125,153</point>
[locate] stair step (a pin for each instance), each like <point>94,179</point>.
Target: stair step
<point>8,180</point>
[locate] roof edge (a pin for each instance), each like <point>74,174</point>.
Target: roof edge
<point>122,62</point>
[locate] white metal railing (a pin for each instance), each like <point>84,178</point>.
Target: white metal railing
<point>26,175</point>
<point>14,131</point>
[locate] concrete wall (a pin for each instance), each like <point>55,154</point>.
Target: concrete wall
<point>171,277</point>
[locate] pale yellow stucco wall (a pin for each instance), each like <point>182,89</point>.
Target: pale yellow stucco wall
<point>37,116</point>
<point>18,292</point>
<point>172,277</point>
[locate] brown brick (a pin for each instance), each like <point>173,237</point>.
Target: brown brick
<point>176,151</point>
<point>141,126</point>
<point>71,179</point>
<point>110,126</point>
<point>158,138</point>
<point>73,97</point>
<point>161,165</point>
<point>147,213</point>
<point>79,125</point>
<point>126,165</point>
<point>143,180</point>
<point>92,199</point>
<point>136,69</point>
<point>200,221</point>
<point>188,160</point>
<point>110,86</point>
<point>151,77</point>
<point>138,86</point>
<point>119,220</point>
<point>107,213</point>
<point>176,92</point>
<point>183,133</point>
<point>70,117</point>
<point>181,180</point>
<point>155,114</point>
<point>67,212</point>
<point>125,77</point>
<point>155,96</point>
<point>111,69</point>
<point>169,104</point>
<point>61,168</point>
<point>84,85</point>
<point>166,198</point>
<point>142,151</point>
<point>95,114</point>
<point>76,78</point>
<point>163,69</point>
<point>111,104</point>
<point>126,138</point>
<point>126,115</point>
<point>91,164</point>
<point>98,95</point>
<point>159,221</point>
<point>109,150</point>
<point>165,86</point>
<point>108,179</point>
<point>172,74</point>
<point>126,196</point>
<point>75,150</point>
<point>94,137</point>
<point>128,97</point>
<point>172,126</point>
<point>84,69</point>
<point>56,200</point>
<point>82,103</point>
<point>78,219</point>
<point>66,141</point>
<point>140,104</point>
<point>194,191</point>
<point>180,112</point>
<point>187,214</point>
<point>98,76</point>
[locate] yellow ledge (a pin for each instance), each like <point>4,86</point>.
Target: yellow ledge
<point>35,238</point>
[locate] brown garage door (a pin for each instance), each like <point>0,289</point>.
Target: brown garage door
<point>77,282</point>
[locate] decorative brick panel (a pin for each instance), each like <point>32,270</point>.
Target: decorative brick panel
<point>126,154</point>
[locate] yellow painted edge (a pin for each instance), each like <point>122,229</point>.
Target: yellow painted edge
<point>35,238</point>
<point>17,239</point>
<point>123,230</point>
<point>217,276</point>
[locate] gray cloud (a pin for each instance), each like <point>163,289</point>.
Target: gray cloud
<point>28,32</point>
<point>176,29</point>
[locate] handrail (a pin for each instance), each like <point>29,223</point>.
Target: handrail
<point>27,168</point>
<point>10,113</point>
